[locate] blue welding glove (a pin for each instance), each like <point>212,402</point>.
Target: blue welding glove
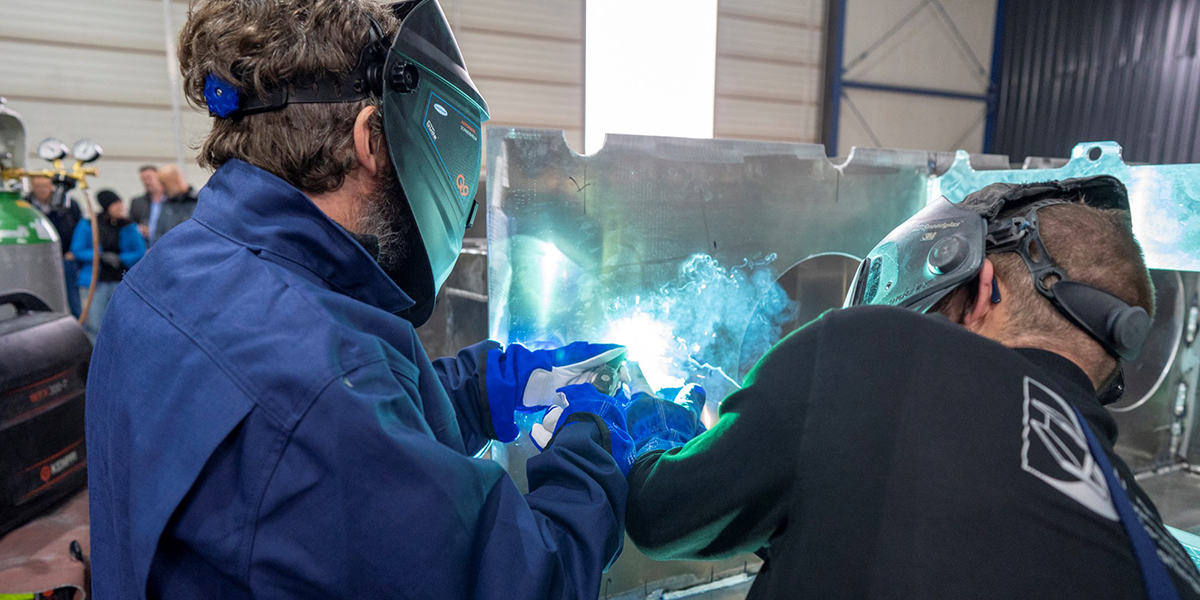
<point>583,402</point>
<point>520,379</point>
<point>658,424</point>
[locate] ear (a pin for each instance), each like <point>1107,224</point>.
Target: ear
<point>364,150</point>
<point>983,308</point>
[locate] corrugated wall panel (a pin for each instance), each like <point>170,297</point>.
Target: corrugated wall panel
<point>97,69</point>
<point>907,121</point>
<point>532,104</point>
<point>123,132</point>
<point>769,40</point>
<point>810,13</point>
<point>772,81</point>
<point>1119,70</point>
<point>124,24</point>
<point>526,56</point>
<point>918,45</point>
<point>62,72</point>
<point>561,19</point>
<point>926,51</point>
<point>773,121</point>
<point>769,75</point>
<point>499,55</point>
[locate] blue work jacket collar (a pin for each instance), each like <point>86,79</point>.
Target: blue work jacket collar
<point>268,215</point>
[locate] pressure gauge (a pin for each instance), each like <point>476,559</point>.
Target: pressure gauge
<point>86,150</point>
<point>52,149</point>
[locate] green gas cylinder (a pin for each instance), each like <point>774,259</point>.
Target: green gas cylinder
<point>30,251</point>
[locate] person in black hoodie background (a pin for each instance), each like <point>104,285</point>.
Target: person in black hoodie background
<point>121,245</point>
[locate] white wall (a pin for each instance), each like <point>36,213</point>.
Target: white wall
<point>769,69</point>
<point>526,56</point>
<point>98,69</point>
<point>923,53</point>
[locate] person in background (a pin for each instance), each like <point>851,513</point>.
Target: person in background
<point>121,245</point>
<point>145,210</point>
<point>64,218</point>
<point>179,204</point>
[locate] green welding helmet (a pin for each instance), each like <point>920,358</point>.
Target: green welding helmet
<point>433,116</point>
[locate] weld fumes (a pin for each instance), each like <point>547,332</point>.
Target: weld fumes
<point>691,329</point>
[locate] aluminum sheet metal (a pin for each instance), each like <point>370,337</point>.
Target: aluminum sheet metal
<point>667,244</point>
<point>1165,199</point>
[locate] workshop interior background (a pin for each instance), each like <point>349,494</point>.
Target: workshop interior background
<point>1022,79</point>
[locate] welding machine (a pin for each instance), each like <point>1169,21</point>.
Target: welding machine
<point>43,368</point>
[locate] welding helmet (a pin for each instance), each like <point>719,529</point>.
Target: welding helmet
<point>943,246</point>
<point>432,117</point>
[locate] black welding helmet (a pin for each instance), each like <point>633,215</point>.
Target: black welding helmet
<point>433,116</point>
<point>944,245</point>
<point>922,260</point>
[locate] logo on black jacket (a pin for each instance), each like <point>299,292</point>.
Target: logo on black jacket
<point>1055,450</point>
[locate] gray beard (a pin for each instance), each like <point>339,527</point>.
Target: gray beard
<point>384,217</point>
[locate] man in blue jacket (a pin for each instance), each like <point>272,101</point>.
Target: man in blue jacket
<point>262,419</point>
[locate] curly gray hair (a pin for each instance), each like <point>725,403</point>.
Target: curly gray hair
<point>259,45</point>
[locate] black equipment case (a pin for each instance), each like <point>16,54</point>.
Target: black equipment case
<point>43,368</point>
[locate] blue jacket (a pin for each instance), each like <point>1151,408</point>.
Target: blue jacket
<point>260,424</point>
<point>133,248</point>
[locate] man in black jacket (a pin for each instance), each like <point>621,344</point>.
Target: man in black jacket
<point>884,453</point>
<point>146,209</point>
<point>180,202</point>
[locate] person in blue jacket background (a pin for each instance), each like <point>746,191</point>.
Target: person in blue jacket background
<point>121,246</point>
<point>262,420</point>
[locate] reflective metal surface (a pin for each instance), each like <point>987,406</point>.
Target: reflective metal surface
<point>1165,199</point>
<point>1145,415</point>
<point>815,284</point>
<point>666,245</point>
<point>680,234</point>
<point>37,268</point>
<point>1176,494</point>
<point>1145,375</point>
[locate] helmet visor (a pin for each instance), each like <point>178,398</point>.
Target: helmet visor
<point>922,260</point>
<point>433,116</point>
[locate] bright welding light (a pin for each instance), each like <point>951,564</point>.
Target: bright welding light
<point>551,262</point>
<point>649,343</point>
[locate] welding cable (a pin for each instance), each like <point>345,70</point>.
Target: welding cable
<point>87,200</point>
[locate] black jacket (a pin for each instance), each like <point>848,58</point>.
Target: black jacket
<point>139,209</point>
<point>175,210</point>
<point>880,453</point>
<point>63,219</point>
